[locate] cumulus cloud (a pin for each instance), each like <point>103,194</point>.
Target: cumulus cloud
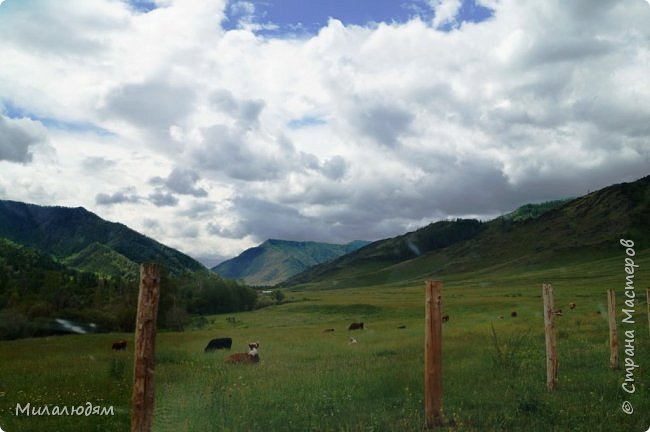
<point>445,11</point>
<point>161,198</point>
<point>18,137</point>
<point>245,111</point>
<point>383,124</point>
<point>49,32</point>
<point>334,168</point>
<point>154,105</point>
<point>120,197</point>
<point>97,163</point>
<point>181,181</point>
<point>241,155</point>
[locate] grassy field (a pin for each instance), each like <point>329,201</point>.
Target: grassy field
<point>311,380</point>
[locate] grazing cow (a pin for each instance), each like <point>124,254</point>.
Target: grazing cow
<point>557,312</point>
<point>119,345</point>
<point>219,343</point>
<point>352,341</point>
<point>513,314</point>
<point>572,306</point>
<point>252,356</point>
<point>328,330</point>
<point>356,326</point>
<point>401,326</point>
<point>445,318</point>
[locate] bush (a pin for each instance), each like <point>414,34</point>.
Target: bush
<point>13,325</point>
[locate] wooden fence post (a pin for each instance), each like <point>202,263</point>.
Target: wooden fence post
<point>145,341</point>
<point>647,300</point>
<point>549,329</point>
<point>433,355</point>
<point>613,332</point>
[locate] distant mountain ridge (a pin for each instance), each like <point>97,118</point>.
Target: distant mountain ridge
<point>274,261</point>
<point>84,240</point>
<point>533,235</point>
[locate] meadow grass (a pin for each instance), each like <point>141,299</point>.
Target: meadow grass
<point>311,380</point>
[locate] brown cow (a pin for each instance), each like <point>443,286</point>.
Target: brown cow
<point>356,326</point>
<point>252,356</point>
<point>513,314</point>
<point>572,306</point>
<point>119,345</point>
<point>445,318</point>
<point>328,330</point>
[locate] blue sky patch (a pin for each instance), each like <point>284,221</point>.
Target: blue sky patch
<point>286,18</point>
<point>143,6</point>
<point>15,112</point>
<point>304,122</point>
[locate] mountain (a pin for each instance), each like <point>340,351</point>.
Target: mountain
<point>102,260</point>
<point>276,260</point>
<point>536,235</point>
<point>84,240</point>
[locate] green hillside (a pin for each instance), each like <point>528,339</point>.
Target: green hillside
<point>384,253</point>
<point>102,260</point>
<point>584,228</point>
<point>63,231</point>
<point>275,261</point>
<point>532,211</point>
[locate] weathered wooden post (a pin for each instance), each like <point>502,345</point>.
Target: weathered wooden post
<point>647,300</point>
<point>549,329</point>
<point>145,341</point>
<point>433,355</point>
<point>613,332</point>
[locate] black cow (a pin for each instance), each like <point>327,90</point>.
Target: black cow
<point>119,345</point>
<point>219,343</point>
<point>356,326</point>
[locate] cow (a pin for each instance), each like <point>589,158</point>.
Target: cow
<point>356,326</point>
<point>328,330</point>
<point>352,341</point>
<point>557,312</point>
<point>572,306</point>
<point>445,318</point>
<point>401,326</point>
<point>252,356</point>
<point>119,345</point>
<point>219,343</point>
<point>513,314</point>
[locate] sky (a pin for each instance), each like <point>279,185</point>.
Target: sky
<point>213,125</point>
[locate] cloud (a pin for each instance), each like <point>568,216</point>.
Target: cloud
<point>245,111</point>
<point>181,181</point>
<point>18,137</point>
<point>384,124</point>
<point>120,197</point>
<point>160,198</point>
<point>154,105</point>
<point>238,154</point>
<point>334,168</point>
<point>445,11</point>
<point>52,29</point>
<point>97,163</point>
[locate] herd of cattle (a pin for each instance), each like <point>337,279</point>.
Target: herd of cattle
<point>252,356</point>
